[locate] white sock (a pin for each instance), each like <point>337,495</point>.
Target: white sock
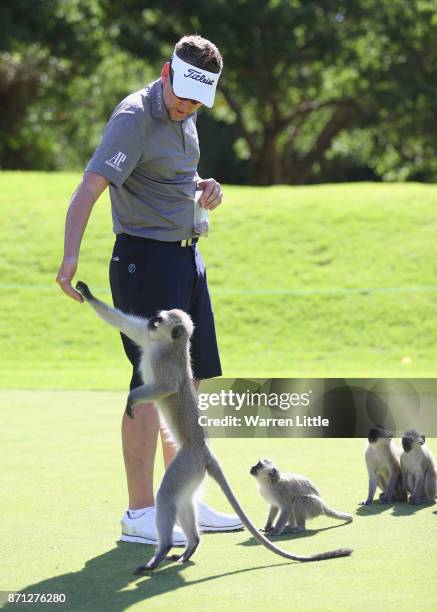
<point>138,512</point>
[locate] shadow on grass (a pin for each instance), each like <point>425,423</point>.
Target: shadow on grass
<point>291,535</point>
<point>409,509</point>
<point>99,584</point>
<point>375,508</point>
<point>398,509</point>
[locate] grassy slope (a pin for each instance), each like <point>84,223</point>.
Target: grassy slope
<point>265,242</point>
<point>63,494</point>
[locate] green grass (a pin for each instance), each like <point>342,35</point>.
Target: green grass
<point>306,281</point>
<point>64,491</point>
<point>310,281</point>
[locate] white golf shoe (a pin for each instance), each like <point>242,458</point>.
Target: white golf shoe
<point>142,530</point>
<point>211,520</point>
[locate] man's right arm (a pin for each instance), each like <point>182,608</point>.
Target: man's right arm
<point>81,204</point>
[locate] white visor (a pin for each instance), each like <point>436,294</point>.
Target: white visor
<point>192,82</point>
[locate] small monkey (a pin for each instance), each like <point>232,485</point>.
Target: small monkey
<point>418,468</point>
<point>164,341</point>
<point>295,496</point>
<point>384,468</point>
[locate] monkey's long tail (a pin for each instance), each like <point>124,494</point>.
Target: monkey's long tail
<point>342,516</point>
<point>214,470</point>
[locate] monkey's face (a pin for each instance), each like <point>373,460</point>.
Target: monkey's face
<point>380,435</point>
<point>411,439</point>
<point>170,325</point>
<point>256,468</point>
<point>264,469</point>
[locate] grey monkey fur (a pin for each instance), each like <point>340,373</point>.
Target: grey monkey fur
<point>418,468</point>
<point>164,341</point>
<point>295,496</point>
<point>384,468</point>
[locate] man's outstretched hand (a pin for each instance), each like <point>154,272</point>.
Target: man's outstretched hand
<point>65,276</point>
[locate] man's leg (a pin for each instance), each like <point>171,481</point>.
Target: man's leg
<point>139,438</point>
<point>172,281</point>
<point>143,280</point>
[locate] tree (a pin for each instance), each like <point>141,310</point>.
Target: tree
<point>44,46</point>
<point>299,73</point>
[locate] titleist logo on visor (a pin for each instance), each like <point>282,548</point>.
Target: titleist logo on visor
<point>198,76</point>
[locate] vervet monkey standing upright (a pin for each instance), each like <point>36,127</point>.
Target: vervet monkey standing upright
<point>164,341</point>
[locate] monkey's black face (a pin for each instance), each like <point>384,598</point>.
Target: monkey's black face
<point>407,444</point>
<point>412,438</point>
<point>170,325</point>
<point>378,433</point>
<point>263,465</point>
<point>256,468</point>
<point>154,322</point>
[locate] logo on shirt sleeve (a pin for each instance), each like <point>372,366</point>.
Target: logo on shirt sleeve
<point>116,161</point>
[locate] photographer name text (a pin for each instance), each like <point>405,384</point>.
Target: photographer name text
<point>257,421</point>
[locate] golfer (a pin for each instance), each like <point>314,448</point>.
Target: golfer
<point>148,158</point>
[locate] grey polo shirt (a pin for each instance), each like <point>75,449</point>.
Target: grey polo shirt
<point>151,163</point>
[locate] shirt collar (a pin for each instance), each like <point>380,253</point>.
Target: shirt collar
<point>158,107</point>
<point>159,110</point>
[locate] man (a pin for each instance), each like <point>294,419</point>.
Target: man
<point>148,157</point>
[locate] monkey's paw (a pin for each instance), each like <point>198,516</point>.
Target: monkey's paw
<point>275,532</point>
<point>383,499</point>
<point>84,290</point>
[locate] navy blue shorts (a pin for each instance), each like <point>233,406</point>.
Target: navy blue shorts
<point>147,276</point>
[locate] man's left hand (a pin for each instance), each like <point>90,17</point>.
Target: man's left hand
<point>212,195</point>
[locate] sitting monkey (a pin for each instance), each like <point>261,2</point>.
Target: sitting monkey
<point>384,468</point>
<point>418,468</point>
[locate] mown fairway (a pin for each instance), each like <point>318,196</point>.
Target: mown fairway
<point>313,281</point>
<point>63,493</point>
<point>320,280</point>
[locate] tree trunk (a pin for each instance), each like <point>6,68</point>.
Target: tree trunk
<point>267,167</point>
<point>343,117</point>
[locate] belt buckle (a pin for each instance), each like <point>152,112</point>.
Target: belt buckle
<point>186,243</point>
